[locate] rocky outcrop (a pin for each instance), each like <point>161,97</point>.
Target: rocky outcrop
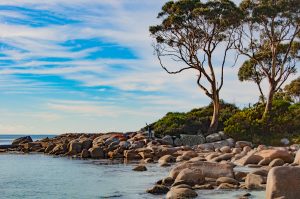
<point>276,153</point>
<point>22,140</point>
<point>283,182</point>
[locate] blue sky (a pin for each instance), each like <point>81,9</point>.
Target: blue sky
<point>88,66</point>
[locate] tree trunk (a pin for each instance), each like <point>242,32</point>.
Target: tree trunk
<point>268,106</point>
<point>213,127</point>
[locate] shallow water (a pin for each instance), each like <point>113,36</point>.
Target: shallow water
<point>41,176</point>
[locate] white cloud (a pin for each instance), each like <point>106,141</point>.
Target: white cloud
<point>142,83</point>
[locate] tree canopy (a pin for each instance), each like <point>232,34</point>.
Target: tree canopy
<point>268,37</point>
<point>190,33</point>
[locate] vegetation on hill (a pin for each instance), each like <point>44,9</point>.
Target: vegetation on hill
<point>241,124</point>
<point>196,121</point>
<point>284,123</point>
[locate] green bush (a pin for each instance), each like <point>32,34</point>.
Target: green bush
<point>196,121</point>
<point>284,122</point>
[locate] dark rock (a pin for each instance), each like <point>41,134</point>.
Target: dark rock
<point>140,168</point>
<point>22,140</point>
<point>158,190</point>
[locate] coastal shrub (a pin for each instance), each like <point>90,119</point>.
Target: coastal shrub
<point>284,122</point>
<point>196,121</point>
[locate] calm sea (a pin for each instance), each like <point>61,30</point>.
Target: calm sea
<point>7,139</point>
<point>38,176</point>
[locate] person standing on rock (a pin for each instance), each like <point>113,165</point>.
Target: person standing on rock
<point>149,131</point>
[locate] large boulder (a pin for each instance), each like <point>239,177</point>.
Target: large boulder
<point>254,181</point>
<point>276,153</point>
<point>22,140</point>
<point>59,149</point>
<point>213,137</point>
<point>145,153</point>
<point>179,192</point>
<point>166,159</point>
<point>168,139</point>
<point>189,154</point>
<point>283,182</point>
<point>49,148</point>
<point>96,152</point>
<point>131,154</point>
<point>226,156</point>
<point>192,140</point>
<point>189,177</point>
<point>208,169</point>
<point>32,146</point>
<point>276,162</point>
<point>75,148</point>
<point>250,158</point>
<point>85,153</point>
<point>86,143</point>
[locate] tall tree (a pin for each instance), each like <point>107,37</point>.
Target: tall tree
<point>190,34</point>
<point>268,37</point>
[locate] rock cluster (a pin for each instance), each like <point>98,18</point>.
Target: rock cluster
<point>201,166</point>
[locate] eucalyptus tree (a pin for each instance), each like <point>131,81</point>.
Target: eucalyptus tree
<point>268,38</point>
<point>191,34</point>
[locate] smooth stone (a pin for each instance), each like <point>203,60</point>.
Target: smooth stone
<point>140,168</point>
<point>283,182</point>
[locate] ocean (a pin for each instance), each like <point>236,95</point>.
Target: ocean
<point>7,139</point>
<point>39,176</point>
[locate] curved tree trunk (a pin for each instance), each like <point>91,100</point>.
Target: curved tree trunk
<point>213,127</point>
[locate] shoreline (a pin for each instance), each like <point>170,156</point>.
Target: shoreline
<point>207,166</point>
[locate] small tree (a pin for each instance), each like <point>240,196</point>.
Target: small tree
<point>268,37</point>
<point>190,34</point>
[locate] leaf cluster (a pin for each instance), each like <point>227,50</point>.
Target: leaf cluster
<point>248,125</point>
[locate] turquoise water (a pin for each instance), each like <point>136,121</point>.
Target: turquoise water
<point>38,176</point>
<point>41,176</point>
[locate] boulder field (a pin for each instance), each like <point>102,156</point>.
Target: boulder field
<point>193,167</point>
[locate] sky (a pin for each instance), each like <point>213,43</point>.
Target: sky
<point>89,66</point>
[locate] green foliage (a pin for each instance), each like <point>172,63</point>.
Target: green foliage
<point>269,38</point>
<point>293,89</point>
<point>247,124</point>
<point>194,122</point>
